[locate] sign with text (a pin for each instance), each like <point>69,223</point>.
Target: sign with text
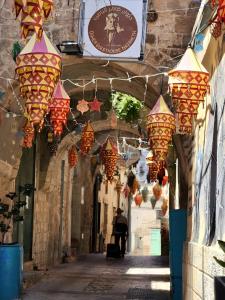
<point>113,30</point>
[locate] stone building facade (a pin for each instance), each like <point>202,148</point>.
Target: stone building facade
<point>57,199</point>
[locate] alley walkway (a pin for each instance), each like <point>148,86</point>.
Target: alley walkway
<point>95,278</point>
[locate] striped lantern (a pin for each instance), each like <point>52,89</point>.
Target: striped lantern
<point>38,69</point>
<point>161,126</point>
<point>87,139</point>
<point>138,199</point>
<point>28,135</point>
<point>33,13</point>
<point>73,157</point>
<point>189,83</point>
<point>109,155</point>
<point>59,108</point>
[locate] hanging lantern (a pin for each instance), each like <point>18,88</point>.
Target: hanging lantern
<point>161,125</point>
<point>135,186</point>
<point>87,139</point>
<point>153,171</point>
<point>59,108</point>
<point>73,157</point>
<point>189,83</point>
<point>218,18</point>
<point>28,135</point>
<point>145,193</point>
<point>109,155</point>
<point>138,199</point>
<point>38,69</point>
<point>33,13</point>
<point>126,191</point>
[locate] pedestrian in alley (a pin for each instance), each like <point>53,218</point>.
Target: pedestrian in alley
<point>120,230</point>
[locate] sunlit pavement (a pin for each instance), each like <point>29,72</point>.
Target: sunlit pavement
<point>95,278</point>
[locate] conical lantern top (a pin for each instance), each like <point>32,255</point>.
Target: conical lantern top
<point>189,62</point>
<point>160,107</point>
<point>39,46</point>
<point>60,93</point>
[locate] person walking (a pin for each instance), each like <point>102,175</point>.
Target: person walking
<point>120,230</point>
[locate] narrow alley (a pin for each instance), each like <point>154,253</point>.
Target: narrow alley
<point>93,277</point>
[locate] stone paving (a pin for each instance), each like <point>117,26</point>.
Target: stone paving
<point>94,277</point>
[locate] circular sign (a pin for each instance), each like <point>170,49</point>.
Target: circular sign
<point>112,29</point>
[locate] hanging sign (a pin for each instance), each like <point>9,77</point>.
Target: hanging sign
<point>113,31</point>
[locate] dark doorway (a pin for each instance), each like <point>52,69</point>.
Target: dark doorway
<point>96,216</point>
<point>23,231</point>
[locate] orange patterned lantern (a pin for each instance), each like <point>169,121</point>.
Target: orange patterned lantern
<point>138,199</point>
<point>219,18</point>
<point>38,69</point>
<point>33,13</point>
<point>109,154</point>
<point>161,125</point>
<point>73,156</point>
<point>28,135</point>
<point>189,83</point>
<point>87,139</point>
<point>59,109</point>
<point>153,166</point>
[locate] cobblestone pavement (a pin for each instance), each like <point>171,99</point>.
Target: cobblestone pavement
<point>94,278</point>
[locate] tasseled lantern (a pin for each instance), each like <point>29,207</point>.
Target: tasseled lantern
<point>109,155</point>
<point>189,83</point>
<point>87,139</point>
<point>59,108</point>
<point>38,69</point>
<point>33,13</point>
<point>161,125</point>
<point>28,135</point>
<point>73,157</point>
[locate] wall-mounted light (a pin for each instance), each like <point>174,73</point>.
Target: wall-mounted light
<point>70,48</point>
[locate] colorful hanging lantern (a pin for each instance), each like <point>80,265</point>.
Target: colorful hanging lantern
<point>189,83</point>
<point>218,18</point>
<point>135,186</point>
<point>73,157</point>
<point>28,135</point>
<point>161,125</point>
<point>153,171</point>
<point>33,13</point>
<point>38,69</point>
<point>87,139</point>
<point>59,109</point>
<point>138,199</point>
<point>109,155</point>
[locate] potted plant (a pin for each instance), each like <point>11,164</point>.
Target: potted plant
<point>11,254</point>
<point>220,280</point>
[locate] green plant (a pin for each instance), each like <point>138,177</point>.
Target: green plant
<point>126,107</point>
<point>220,262</point>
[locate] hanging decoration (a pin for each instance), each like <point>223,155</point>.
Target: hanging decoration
<point>82,106</point>
<point>59,108</point>
<point>95,105</point>
<point>219,18</point>
<point>87,139</point>
<point>189,84</point>
<point>73,157</point>
<point>145,193</point>
<point>153,171</point>
<point>135,186</point>
<point>38,69</point>
<point>109,155</point>
<point>126,191</point>
<point>161,126</point>
<point>33,13</point>
<point>28,135</point>
<point>138,199</point>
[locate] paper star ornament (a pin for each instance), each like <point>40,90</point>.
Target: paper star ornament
<point>95,105</point>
